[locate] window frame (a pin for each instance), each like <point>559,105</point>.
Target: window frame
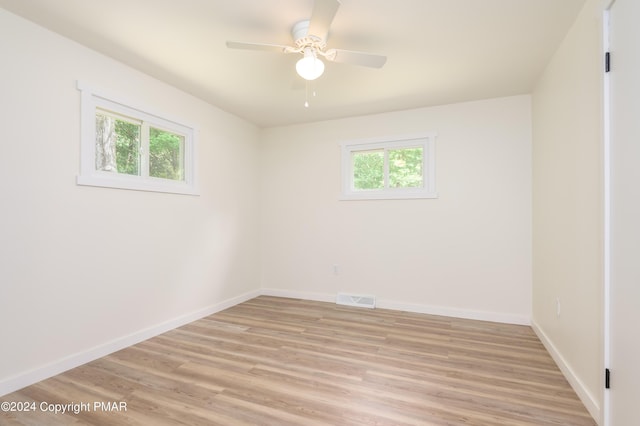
<point>93,100</point>
<point>427,190</point>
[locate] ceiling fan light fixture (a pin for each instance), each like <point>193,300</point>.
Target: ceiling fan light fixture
<point>309,67</point>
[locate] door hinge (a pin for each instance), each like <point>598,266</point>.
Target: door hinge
<point>607,62</point>
<point>607,378</point>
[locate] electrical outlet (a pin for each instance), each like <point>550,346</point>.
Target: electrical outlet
<point>558,307</point>
<point>336,269</point>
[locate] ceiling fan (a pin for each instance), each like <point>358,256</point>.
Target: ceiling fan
<point>310,40</point>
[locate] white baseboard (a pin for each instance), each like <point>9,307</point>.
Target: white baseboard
<point>27,378</point>
<point>454,312</point>
<point>409,307</point>
<point>318,297</point>
<point>589,401</point>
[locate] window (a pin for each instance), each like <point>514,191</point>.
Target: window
<point>127,147</point>
<point>389,169</point>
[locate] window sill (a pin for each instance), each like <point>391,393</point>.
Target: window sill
<point>137,184</point>
<point>375,195</point>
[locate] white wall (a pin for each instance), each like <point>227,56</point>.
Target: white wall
<point>467,253</point>
<point>83,269</point>
<point>567,207</point>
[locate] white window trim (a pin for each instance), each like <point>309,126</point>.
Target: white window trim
<point>425,140</point>
<point>92,99</point>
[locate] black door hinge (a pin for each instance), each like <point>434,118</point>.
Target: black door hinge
<point>607,62</point>
<point>607,378</point>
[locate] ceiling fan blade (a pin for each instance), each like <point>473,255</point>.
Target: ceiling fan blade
<point>323,13</point>
<point>258,46</point>
<point>356,58</point>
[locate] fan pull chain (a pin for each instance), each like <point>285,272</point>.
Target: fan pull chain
<point>306,94</point>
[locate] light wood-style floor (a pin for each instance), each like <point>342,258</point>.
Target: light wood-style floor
<point>277,361</point>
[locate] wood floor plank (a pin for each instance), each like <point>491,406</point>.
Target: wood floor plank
<point>278,361</point>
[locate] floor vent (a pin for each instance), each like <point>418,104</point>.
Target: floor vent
<point>358,300</point>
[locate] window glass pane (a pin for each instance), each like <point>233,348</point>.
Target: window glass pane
<point>405,168</point>
<point>166,155</point>
<point>117,145</point>
<point>128,147</point>
<point>368,169</point>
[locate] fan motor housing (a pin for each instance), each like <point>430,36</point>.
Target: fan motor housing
<point>302,38</point>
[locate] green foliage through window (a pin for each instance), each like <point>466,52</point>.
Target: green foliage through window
<point>165,154</point>
<point>368,169</point>
<point>119,148</point>
<point>128,147</point>
<point>404,168</point>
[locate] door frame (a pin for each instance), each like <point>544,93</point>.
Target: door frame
<point>607,334</point>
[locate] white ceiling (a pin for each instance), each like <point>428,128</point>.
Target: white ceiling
<point>439,51</point>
